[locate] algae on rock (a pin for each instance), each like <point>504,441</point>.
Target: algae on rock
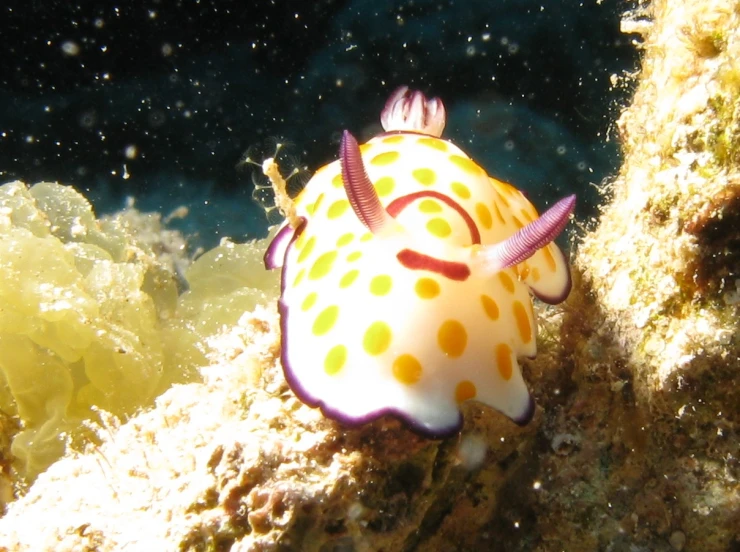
<point>89,314</point>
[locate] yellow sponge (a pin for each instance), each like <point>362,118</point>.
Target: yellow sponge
<point>80,309</point>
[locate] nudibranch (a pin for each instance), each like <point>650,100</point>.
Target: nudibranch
<point>406,279</point>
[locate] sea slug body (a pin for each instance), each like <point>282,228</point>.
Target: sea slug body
<point>406,281</point>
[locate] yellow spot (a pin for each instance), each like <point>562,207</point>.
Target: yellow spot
<point>299,277</point>
<point>490,306</point>
<point>518,223</point>
<point>385,185</point>
<point>503,361</point>
<point>335,359</point>
<point>325,320</point>
<point>426,288</point>
<point>365,147</point>
<point>345,239</point>
<point>377,338</point>
<point>301,241</point>
<point>549,258</point>
<point>506,281</point>
<point>452,338</point>
<point>352,257</point>
<point>439,227</point>
<point>407,369</point>
<point>318,202</point>
<point>309,301</point>
<point>433,143</point>
<point>383,159</point>
<point>366,237</point>
<point>499,216</point>
<point>337,181</point>
<point>464,391</point>
<point>430,206</point>
<point>337,208</point>
<point>502,199</point>
<point>461,190</point>
<point>348,278</point>
<point>468,165</point>
<point>523,270</point>
<point>307,249</point>
<point>526,216</point>
<point>535,274</point>
<point>395,139</point>
<point>522,322</point>
<point>322,265</point>
<point>313,207</point>
<point>509,190</point>
<point>484,215</point>
<point>381,285</point>
<point>425,176</point>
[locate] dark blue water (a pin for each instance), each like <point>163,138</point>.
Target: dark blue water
<point>160,100</point>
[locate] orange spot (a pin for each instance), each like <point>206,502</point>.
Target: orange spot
<point>407,369</point>
<point>506,281</point>
<point>508,189</point>
<point>395,139</point>
<point>535,274</point>
<point>468,165</point>
<point>426,288</point>
<point>526,216</point>
<point>385,185</point>
<point>499,216</point>
<point>385,158</point>
<point>433,143</point>
<point>503,361</point>
<point>518,223</point>
<point>461,190</point>
<point>452,338</point>
<point>464,391</point>
<point>484,215</point>
<point>549,258</point>
<point>522,322</point>
<point>425,176</point>
<point>502,199</point>
<point>490,306</point>
<point>523,270</point>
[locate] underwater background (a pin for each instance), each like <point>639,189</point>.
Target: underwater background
<point>162,101</point>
